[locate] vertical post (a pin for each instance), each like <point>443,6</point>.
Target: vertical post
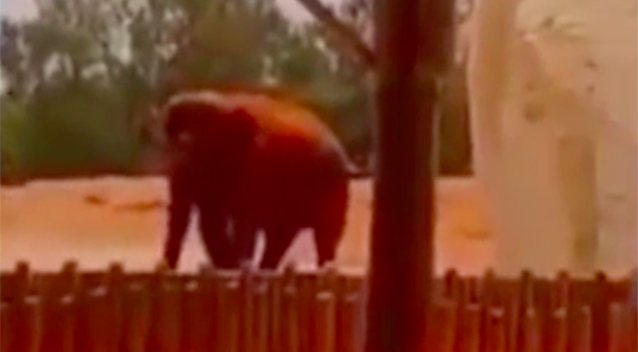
<point>411,40</point>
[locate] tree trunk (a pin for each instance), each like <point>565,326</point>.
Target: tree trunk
<point>515,152</point>
<point>512,159</point>
<point>547,147</point>
<point>403,225</point>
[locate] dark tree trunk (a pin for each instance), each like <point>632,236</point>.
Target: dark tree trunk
<point>412,48</point>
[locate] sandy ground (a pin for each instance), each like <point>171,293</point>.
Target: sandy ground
<point>110,219</point>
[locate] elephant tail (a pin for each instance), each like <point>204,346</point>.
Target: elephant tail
<point>352,170</point>
<point>355,172</point>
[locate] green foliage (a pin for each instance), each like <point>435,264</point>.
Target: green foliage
<point>82,77</point>
<point>68,135</point>
<point>12,132</point>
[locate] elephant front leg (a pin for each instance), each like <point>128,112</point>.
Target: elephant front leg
<point>218,242</point>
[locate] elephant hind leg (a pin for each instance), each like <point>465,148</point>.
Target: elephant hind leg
<point>246,236</point>
<point>223,253</point>
<point>327,239</point>
<point>328,232</point>
<point>278,239</point>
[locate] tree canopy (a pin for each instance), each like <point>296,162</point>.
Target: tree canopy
<point>82,76</point>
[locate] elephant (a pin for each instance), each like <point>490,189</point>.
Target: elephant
<point>258,160</point>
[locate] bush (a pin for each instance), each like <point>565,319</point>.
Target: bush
<point>81,132</point>
<point>12,131</point>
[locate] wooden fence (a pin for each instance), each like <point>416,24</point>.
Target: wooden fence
<point>292,311</point>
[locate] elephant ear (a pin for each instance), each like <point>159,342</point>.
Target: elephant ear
<point>243,128</point>
<point>187,117</point>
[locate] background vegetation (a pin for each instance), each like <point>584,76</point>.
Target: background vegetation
<point>80,79</point>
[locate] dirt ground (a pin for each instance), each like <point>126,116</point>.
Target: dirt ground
<point>98,221</point>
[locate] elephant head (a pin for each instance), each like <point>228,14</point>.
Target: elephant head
<point>207,124</point>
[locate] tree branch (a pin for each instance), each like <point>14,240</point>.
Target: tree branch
<point>343,31</point>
